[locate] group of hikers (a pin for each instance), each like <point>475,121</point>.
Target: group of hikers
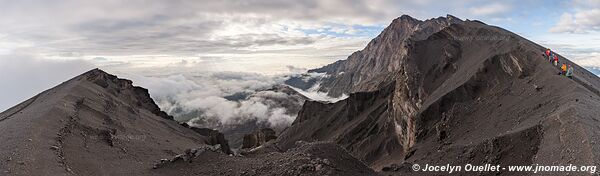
<point>553,58</point>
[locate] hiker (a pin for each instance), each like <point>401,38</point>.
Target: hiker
<point>569,73</point>
<point>563,69</point>
<point>555,60</point>
<point>548,52</point>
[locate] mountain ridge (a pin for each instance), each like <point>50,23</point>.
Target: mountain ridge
<point>463,64</point>
<point>381,56</point>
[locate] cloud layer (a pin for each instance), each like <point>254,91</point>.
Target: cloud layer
<point>225,29</point>
<point>222,99</point>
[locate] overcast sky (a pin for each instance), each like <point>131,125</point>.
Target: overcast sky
<point>264,36</point>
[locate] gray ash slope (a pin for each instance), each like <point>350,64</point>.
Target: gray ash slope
<point>93,124</point>
<point>459,92</point>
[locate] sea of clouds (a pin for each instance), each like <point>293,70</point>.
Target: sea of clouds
<point>220,99</point>
<point>202,96</point>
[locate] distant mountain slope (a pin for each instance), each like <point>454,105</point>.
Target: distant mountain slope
<point>467,93</point>
<point>93,124</point>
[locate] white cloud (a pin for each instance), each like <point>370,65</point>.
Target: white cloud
<point>280,118</point>
<point>589,60</point>
<point>490,9</point>
<point>587,3</point>
<point>313,92</point>
<point>179,28</point>
<point>582,21</point>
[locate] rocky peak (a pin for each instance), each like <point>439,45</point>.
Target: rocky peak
<point>405,19</point>
<point>452,18</point>
<point>382,58</point>
<point>123,87</point>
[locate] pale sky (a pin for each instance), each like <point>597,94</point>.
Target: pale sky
<point>53,40</point>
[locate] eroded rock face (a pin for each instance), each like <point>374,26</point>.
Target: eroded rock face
<point>378,120</point>
<point>360,123</point>
<point>214,137</point>
<point>258,138</point>
<point>464,87</point>
<point>115,85</point>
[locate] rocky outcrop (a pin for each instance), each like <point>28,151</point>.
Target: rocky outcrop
<point>318,158</point>
<point>258,138</point>
<point>114,85</point>
<point>189,155</point>
<point>214,137</point>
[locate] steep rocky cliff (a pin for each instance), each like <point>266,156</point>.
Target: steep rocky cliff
<point>372,67</point>
<point>462,92</point>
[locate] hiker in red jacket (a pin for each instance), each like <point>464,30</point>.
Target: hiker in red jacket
<point>555,60</point>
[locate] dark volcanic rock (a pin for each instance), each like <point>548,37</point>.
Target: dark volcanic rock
<point>258,138</point>
<point>214,137</point>
<point>188,155</point>
<point>361,123</point>
<point>453,92</point>
<point>306,159</point>
<point>384,56</point>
